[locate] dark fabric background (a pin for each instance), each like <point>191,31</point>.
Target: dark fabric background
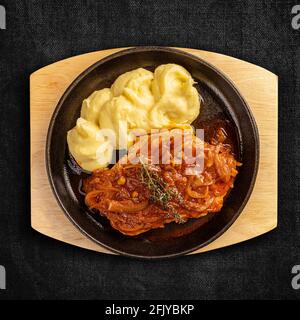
<point>41,32</point>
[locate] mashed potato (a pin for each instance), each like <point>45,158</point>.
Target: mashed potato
<point>138,99</point>
<point>89,146</point>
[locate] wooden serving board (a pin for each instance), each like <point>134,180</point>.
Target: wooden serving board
<point>258,86</point>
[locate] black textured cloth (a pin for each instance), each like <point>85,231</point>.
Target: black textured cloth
<point>41,32</point>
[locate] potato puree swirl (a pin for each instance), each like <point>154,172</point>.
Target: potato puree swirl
<point>138,99</point>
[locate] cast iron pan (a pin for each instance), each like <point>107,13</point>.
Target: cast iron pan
<point>222,102</point>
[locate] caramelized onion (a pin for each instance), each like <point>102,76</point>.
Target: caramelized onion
<point>194,194</point>
<point>181,195</point>
<point>200,208</point>
<point>126,206</point>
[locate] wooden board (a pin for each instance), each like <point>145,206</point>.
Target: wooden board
<point>257,85</point>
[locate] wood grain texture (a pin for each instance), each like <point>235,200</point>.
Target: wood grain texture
<point>258,86</point>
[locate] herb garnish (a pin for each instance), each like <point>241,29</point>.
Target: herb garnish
<point>159,193</point>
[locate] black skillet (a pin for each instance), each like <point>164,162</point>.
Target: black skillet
<point>222,103</point>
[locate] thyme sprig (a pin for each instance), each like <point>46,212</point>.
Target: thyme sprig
<point>159,191</point>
